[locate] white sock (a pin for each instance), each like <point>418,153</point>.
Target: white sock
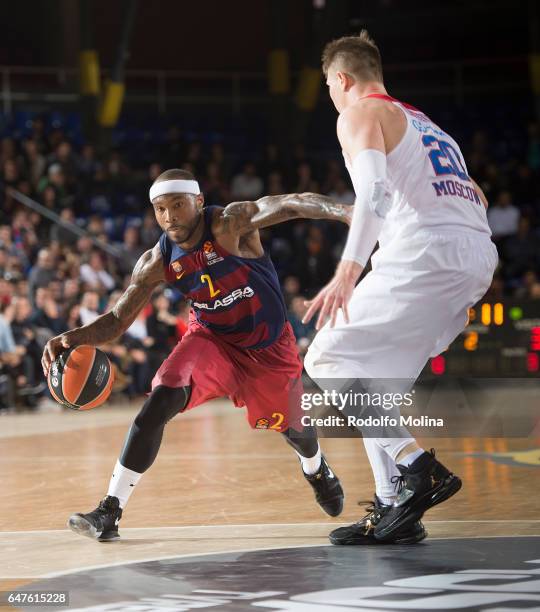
<point>310,465</point>
<point>383,469</point>
<point>122,483</point>
<point>411,457</point>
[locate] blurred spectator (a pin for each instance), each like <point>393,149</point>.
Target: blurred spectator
<point>520,251</point>
<point>7,342</point>
<point>3,261</point>
<point>131,250</point>
<point>35,161</point>
<point>50,198</point>
<point>42,273</point>
<point>315,266</point>
<point>161,328</point>
<point>154,171</point>
<point>173,148</point>
<point>194,157</point>
<point>94,275</point>
<point>8,150</point>
<point>275,184</point>
<point>62,234</point>
<point>215,189</point>
<point>503,217</point>
<point>87,163</point>
<point>217,157</point>
<point>342,193</point>
<point>8,360</point>
<point>496,290</point>
<point>529,286</point>
<point>247,185</point>
<point>525,185</point>
<point>27,346</point>
<point>334,174</point>
<point>38,134</point>
<point>291,288</point>
<point>137,341</point>
<point>89,310</point>
<point>73,319</point>
<point>6,292</point>
<point>150,230</point>
<point>47,313</point>
<point>55,178</point>
<point>305,181</point>
<point>303,332</point>
<point>10,173</point>
<point>65,158</point>
<point>534,291</point>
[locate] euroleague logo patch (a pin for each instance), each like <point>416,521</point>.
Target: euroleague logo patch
<point>262,423</point>
<point>211,256</point>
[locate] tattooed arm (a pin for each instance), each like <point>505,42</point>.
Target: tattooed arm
<point>244,217</point>
<point>147,275</point>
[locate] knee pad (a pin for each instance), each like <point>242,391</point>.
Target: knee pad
<point>162,405</point>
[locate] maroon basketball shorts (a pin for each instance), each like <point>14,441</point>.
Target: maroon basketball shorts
<point>266,381</point>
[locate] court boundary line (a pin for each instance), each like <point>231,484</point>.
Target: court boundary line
<point>58,574</point>
<point>474,521</point>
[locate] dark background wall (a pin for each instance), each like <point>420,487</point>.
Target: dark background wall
<point>235,34</point>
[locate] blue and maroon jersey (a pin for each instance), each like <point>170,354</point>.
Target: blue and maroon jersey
<point>237,297</point>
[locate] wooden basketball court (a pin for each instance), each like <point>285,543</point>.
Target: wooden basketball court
<point>220,487</point>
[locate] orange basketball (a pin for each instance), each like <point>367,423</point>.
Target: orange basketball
<point>81,378</point>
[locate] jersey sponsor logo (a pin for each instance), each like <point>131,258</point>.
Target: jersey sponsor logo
<point>262,423</point>
<point>237,294</point>
<point>211,256</point>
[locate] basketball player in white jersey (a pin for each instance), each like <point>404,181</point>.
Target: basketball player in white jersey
<point>435,260</point>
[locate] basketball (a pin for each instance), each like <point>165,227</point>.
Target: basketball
<point>81,378</point>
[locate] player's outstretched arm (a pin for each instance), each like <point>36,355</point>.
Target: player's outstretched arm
<point>147,275</point>
<point>245,217</point>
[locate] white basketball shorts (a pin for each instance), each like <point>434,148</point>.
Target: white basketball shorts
<point>411,306</point>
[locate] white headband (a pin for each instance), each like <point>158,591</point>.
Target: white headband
<point>176,186</point>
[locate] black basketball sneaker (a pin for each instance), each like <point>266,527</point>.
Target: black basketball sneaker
<point>328,491</point>
<point>361,533</point>
<point>422,485</point>
<point>100,524</point>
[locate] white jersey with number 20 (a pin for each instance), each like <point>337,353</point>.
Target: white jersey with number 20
<point>430,186</point>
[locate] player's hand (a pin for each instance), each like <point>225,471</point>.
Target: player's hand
<point>335,295</point>
<point>53,348</point>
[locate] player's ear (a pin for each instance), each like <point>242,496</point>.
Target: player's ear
<point>345,81</point>
<point>199,199</point>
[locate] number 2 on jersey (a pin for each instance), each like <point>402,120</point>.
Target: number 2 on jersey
<point>444,158</point>
<point>206,278</point>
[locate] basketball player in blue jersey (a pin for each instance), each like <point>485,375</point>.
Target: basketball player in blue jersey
<point>239,343</point>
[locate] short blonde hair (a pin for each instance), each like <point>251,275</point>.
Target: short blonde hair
<point>356,55</point>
